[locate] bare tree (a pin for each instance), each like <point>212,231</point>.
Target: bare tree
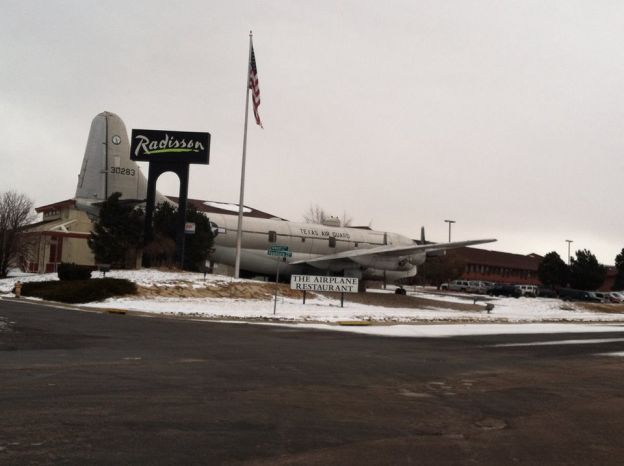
<point>16,211</point>
<point>316,214</point>
<point>346,220</point>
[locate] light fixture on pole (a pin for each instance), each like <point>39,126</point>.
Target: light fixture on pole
<point>569,241</point>
<point>450,222</point>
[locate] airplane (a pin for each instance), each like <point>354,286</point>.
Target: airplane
<point>349,251</point>
<point>329,248</point>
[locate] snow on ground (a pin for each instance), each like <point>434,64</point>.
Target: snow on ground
<point>562,342</point>
<point>329,310</point>
<point>458,330</point>
<point>538,315</point>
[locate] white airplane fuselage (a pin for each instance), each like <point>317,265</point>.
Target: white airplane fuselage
<point>307,241</point>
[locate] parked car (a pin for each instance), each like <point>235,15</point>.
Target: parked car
<point>545,292</point>
<point>602,295</point>
<point>528,290</point>
<point>478,287</point>
<point>616,297</point>
<point>504,290</point>
<point>569,294</point>
<point>459,285</point>
<point>594,298</point>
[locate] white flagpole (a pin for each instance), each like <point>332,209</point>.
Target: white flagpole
<point>241,200</point>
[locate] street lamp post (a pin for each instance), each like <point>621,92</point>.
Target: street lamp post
<point>569,241</point>
<point>450,222</point>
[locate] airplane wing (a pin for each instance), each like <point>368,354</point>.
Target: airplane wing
<point>388,251</point>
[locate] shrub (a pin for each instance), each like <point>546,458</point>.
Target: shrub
<point>79,291</point>
<point>74,271</point>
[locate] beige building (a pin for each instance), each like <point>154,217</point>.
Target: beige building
<point>61,236</point>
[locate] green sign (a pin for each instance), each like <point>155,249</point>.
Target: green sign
<point>278,250</point>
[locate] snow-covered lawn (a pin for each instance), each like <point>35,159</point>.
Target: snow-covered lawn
<point>324,309</point>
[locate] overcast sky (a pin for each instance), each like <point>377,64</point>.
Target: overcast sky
<point>505,116</point>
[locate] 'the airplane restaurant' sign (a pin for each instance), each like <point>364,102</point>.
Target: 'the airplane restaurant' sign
<point>323,283</point>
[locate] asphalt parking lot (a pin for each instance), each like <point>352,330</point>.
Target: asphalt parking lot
<point>95,388</point>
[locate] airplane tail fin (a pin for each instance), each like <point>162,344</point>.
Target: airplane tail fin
<point>106,165</point>
<point>424,241</point>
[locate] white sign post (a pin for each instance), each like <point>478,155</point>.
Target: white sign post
<point>340,285</point>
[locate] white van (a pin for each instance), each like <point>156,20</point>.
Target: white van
<point>528,290</point>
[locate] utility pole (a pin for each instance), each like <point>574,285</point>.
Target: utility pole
<point>450,222</point>
<point>569,241</point>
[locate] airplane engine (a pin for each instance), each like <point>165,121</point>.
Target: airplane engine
<point>417,259</point>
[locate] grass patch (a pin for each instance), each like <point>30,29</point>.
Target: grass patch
<point>79,291</point>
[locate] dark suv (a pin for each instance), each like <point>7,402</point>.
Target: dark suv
<point>568,294</point>
<point>505,290</point>
<point>545,292</point>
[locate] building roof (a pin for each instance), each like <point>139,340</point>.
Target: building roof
<point>56,206</point>
<point>499,259</point>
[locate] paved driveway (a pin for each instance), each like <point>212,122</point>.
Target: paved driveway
<point>92,388</point>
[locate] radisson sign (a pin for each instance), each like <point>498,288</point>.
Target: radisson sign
<point>169,146</point>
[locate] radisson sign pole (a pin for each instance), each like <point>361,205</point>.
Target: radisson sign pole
<point>239,233</point>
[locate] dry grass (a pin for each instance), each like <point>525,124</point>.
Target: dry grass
<point>608,308</point>
<point>266,291</point>
<point>410,302</point>
<point>235,290</point>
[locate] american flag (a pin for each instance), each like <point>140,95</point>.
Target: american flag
<point>254,86</point>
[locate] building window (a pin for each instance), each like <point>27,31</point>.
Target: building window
<point>272,236</point>
<point>332,242</point>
